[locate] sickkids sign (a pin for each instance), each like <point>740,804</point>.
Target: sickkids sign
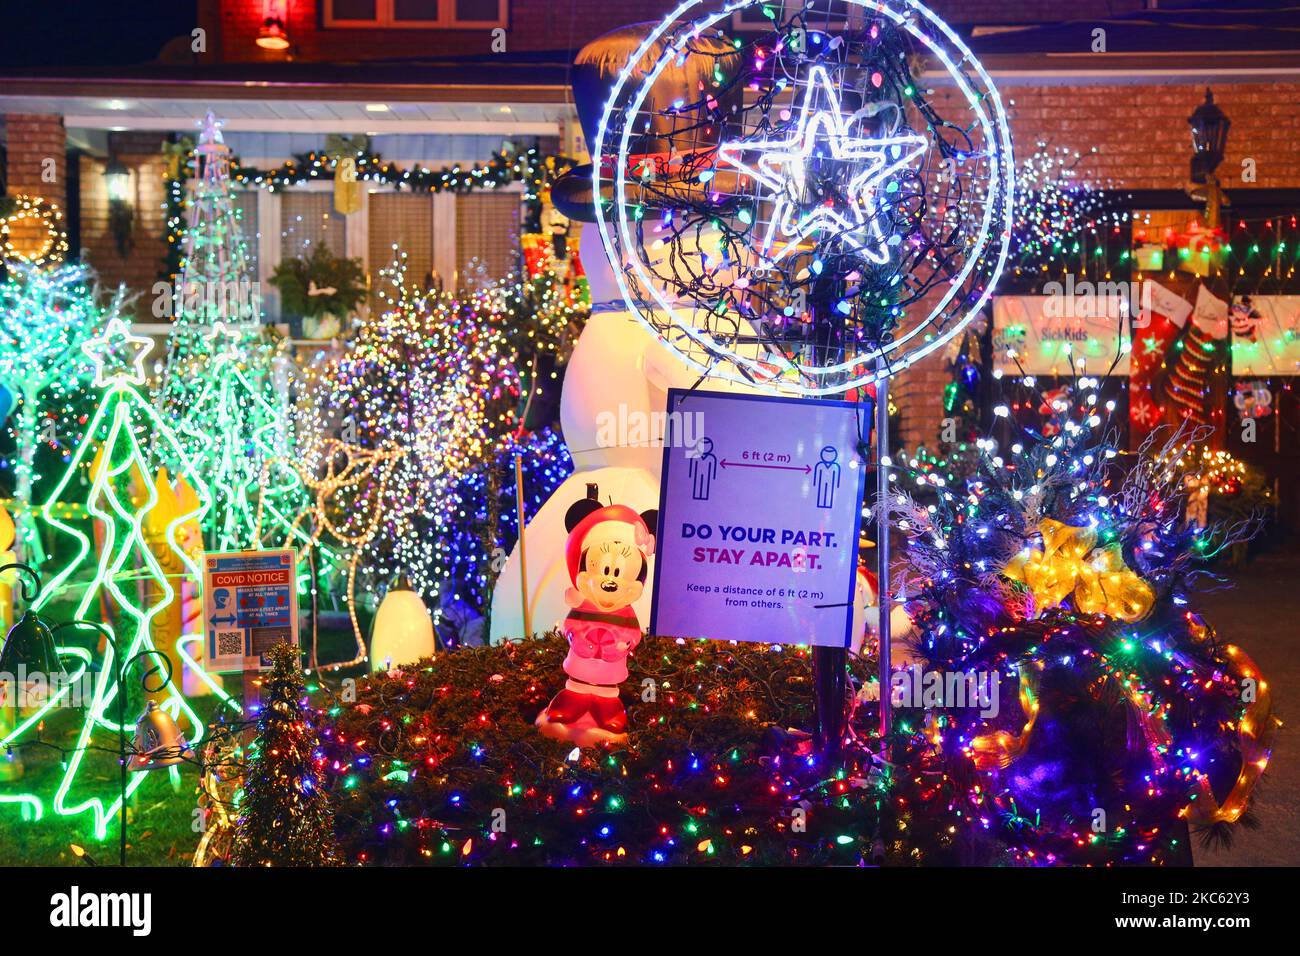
<point>759,518</point>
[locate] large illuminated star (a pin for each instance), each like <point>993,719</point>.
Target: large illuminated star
<point>118,355</point>
<point>782,166</point>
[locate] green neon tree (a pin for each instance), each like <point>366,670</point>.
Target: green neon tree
<point>236,423</point>
<point>46,315</point>
<point>118,560</point>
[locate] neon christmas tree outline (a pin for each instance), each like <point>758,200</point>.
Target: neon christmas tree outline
<point>118,356</point>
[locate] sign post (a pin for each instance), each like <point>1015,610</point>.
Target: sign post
<point>854,240</point>
<point>523,551</point>
<point>881,514</point>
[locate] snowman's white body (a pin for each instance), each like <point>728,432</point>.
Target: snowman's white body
<point>619,369</point>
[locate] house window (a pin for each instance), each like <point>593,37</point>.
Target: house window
<point>307,219</point>
<point>414,14</point>
<point>479,11</point>
<point>820,15</point>
<point>245,202</point>
<point>487,237</point>
<point>404,220</point>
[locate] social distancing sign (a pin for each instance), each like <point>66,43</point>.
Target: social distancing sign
<point>250,604</point>
<point>758,519</point>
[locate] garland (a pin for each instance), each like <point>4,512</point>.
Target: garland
<point>530,167</point>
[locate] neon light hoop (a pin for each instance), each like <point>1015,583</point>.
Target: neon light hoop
<point>969,284</point>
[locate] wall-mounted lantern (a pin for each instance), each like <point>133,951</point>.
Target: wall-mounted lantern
<point>121,211</point>
<point>273,34</point>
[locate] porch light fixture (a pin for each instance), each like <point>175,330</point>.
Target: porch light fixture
<point>273,35</point>
<point>118,180</point>
<point>121,214</point>
<point>1209,138</point>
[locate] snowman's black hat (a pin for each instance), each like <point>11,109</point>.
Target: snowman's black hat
<point>595,74</point>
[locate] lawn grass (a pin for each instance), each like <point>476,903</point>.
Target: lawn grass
<point>160,827</point>
<point>161,820</point>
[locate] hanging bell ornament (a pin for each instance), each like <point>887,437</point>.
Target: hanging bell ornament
<point>30,649</point>
<point>159,742</point>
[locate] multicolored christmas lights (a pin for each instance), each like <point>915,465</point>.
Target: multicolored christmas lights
<point>835,309</point>
<point>431,377</point>
<point>1009,580</point>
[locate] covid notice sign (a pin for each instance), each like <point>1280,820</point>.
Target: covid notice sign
<point>250,604</point>
<point>759,513</point>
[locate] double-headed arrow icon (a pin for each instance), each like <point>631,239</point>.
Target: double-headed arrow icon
<point>750,464</point>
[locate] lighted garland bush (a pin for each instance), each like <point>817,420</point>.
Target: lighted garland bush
<point>428,758</point>
<point>1127,726</point>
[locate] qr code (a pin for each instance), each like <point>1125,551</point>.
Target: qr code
<point>230,643</point>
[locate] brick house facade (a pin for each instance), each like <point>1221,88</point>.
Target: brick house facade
<point>532,25</point>
<point>1130,104</point>
<point>1141,139</point>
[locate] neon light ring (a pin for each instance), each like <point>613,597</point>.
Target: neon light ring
<point>803,219</point>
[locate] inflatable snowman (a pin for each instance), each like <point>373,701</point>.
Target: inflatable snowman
<point>866,621</point>
<point>615,392</point>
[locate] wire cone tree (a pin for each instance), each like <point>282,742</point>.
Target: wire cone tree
<point>285,817</point>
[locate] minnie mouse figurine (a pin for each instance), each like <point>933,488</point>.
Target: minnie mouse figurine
<point>608,556</point>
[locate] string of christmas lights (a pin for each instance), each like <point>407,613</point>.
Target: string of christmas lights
<point>1066,220</point>
<point>439,764</point>
<point>46,315</point>
<point>432,377</point>
<point>1070,585</point>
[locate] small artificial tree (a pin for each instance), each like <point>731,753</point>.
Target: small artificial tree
<point>285,817</point>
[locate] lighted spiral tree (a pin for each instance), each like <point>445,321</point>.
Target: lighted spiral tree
<point>224,383</point>
<point>215,281</point>
<point>802,216</point>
